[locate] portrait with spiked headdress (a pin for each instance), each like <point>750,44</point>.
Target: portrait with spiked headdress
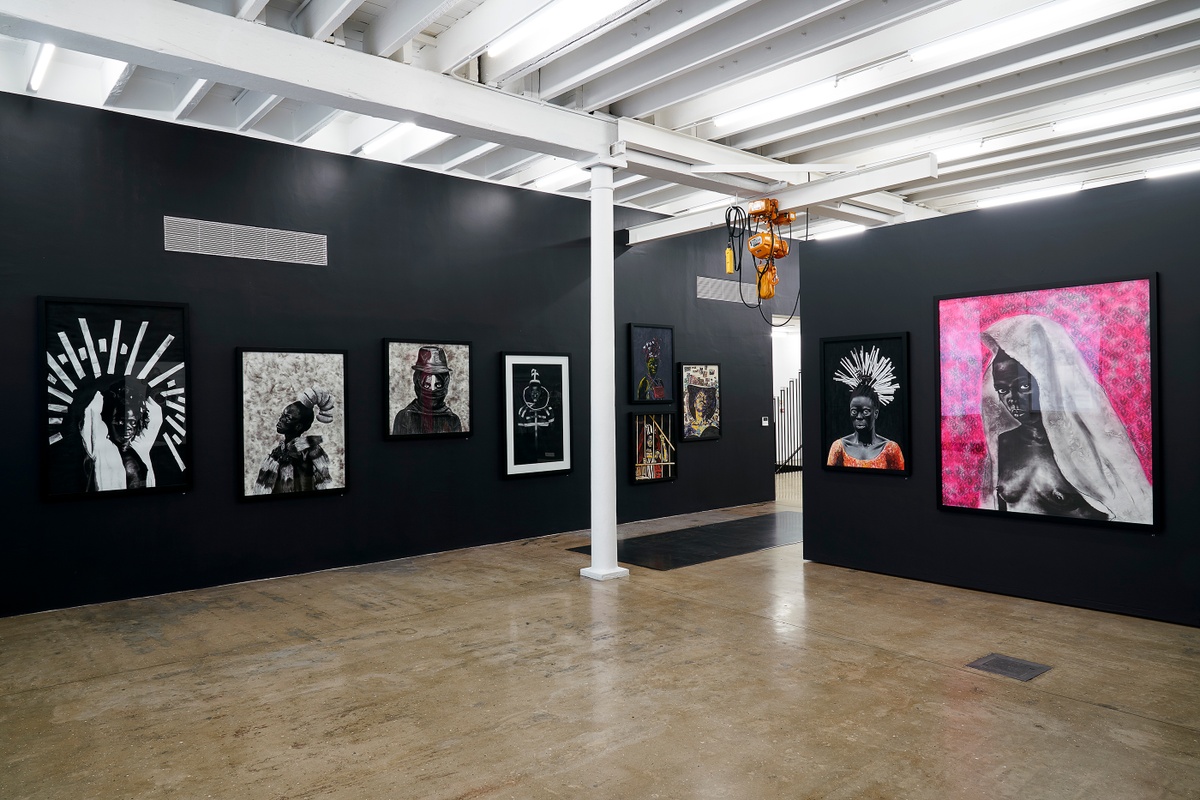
<point>864,403</point>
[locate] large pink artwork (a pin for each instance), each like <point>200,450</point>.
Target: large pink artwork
<point>1046,402</point>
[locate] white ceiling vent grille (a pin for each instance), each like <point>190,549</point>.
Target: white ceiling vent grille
<point>714,289</point>
<point>182,235</point>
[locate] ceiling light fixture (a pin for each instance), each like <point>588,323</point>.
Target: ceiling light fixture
<point>784,105</point>
<point>559,21</point>
<point>384,139</point>
<point>1175,169</point>
<point>562,178</point>
<point>1037,194</point>
<point>1036,23</point>
<point>1134,112</point>
<point>40,66</point>
<point>837,233</point>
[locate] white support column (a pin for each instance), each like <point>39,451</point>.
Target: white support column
<point>604,385</point>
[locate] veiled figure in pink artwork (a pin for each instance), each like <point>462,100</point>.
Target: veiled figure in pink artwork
<point>1056,445</point>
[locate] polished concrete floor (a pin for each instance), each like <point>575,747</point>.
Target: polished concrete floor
<point>497,672</point>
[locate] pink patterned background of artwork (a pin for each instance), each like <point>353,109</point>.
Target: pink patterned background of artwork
<point>1110,326</point>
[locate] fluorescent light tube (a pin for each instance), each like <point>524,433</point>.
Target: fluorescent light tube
<point>835,233</point>
<point>39,68</point>
<point>1176,169</point>
<point>1134,112</point>
<point>561,178</point>
<point>1037,194</point>
<point>557,22</point>
<point>783,105</point>
<point>1036,23</point>
<point>384,139</point>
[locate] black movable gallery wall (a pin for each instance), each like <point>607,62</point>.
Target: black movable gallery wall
<point>412,254</point>
<point>886,280</point>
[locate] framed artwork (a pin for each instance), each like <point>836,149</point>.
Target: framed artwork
<point>653,447</point>
<point>864,404</point>
<point>293,406</point>
<point>1047,402</point>
<point>537,413</point>
<point>651,354</point>
<point>700,398</point>
<point>428,389</point>
<point>115,403</point>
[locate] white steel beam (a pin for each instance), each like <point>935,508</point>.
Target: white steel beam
<point>319,18</point>
<point>668,169</point>
<point>850,213</point>
<point>400,22</point>
<point>249,9</point>
<point>454,153</point>
<point>914,83</point>
<point>114,77</point>
<point>472,34</point>
<point>826,190</point>
<point>646,34</point>
<point>299,125</point>
<point>894,39</point>
<point>250,107</point>
<point>678,73</point>
<point>178,38</point>
<point>195,91</point>
<point>526,55</point>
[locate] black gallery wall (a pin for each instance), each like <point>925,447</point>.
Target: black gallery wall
<point>886,280</point>
<point>411,255</point>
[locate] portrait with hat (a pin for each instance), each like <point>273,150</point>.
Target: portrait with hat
<point>428,388</point>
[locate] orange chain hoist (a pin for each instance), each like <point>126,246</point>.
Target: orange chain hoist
<point>767,244</point>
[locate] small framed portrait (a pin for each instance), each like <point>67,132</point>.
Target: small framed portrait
<point>1048,398</point>
<point>114,408</point>
<point>700,401</point>
<point>537,413</point>
<point>651,354</point>
<point>653,447</point>
<point>428,388</point>
<point>293,405</point>
<point>864,404</point>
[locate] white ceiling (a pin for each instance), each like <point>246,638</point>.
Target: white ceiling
<point>834,106</point>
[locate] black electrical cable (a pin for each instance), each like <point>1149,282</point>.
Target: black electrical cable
<point>736,224</point>
<point>796,305</point>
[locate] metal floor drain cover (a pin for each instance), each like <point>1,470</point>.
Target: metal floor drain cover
<point>1009,667</point>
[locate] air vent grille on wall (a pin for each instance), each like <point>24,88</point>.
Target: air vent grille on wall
<point>182,235</point>
<point>714,289</point>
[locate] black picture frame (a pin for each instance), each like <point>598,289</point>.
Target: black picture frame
<point>1089,354</point>
<point>841,357</point>
<point>100,357</point>
<point>651,382</point>
<point>273,380</point>
<point>699,402</point>
<point>537,414</point>
<point>403,415</point>
<point>654,453</point>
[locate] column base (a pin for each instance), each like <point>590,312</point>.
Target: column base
<point>604,574</point>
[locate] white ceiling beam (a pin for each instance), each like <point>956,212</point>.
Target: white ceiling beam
<point>644,186</point>
<point>1062,85</point>
<point>847,212</point>
<point>194,90</point>
<point>178,38</point>
<point>400,23</point>
<point>528,54</point>
<point>915,83</point>
<point>538,170</point>
<point>454,153</point>
<point>898,38</point>
<point>299,125</point>
<point>114,77</point>
<point>695,200</point>
<point>474,32</point>
<point>667,169</point>
<point>634,39</point>
<point>652,139</point>
<point>319,18</point>
<point>249,9</point>
<point>689,69</point>
<point>250,107</point>
<point>826,190</point>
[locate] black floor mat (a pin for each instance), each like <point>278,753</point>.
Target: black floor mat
<point>689,546</point>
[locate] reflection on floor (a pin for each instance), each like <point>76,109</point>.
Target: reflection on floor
<point>497,672</point>
<point>789,490</point>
